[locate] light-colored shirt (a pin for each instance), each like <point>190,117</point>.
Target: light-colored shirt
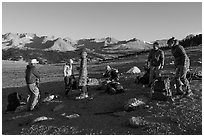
<point>67,70</point>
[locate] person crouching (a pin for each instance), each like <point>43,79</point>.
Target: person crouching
<point>111,74</point>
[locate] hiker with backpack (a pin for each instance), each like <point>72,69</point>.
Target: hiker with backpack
<point>68,76</point>
<point>83,76</point>
<point>32,80</point>
<point>155,62</point>
<point>182,64</point>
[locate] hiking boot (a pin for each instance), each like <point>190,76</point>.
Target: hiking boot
<point>30,109</point>
<point>83,96</point>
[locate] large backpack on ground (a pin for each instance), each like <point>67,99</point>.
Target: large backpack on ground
<point>144,80</point>
<point>13,101</point>
<point>114,88</point>
<point>160,89</point>
<point>197,75</point>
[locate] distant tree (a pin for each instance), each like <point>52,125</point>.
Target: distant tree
<point>191,40</point>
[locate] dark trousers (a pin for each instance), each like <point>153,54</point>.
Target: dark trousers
<point>68,84</point>
<point>154,73</point>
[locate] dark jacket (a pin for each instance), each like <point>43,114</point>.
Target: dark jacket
<point>112,74</point>
<point>156,57</point>
<point>31,74</point>
<point>180,56</point>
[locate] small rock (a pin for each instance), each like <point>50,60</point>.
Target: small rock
<point>72,116</point>
<point>39,119</point>
<point>137,122</point>
<point>134,102</point>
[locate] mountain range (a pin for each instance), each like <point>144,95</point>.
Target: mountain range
<point>47,43</point>
<point>14,46</point>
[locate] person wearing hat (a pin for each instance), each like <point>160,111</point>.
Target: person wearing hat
<point>68,72</point>
<point>32,80</point>
<point>182,64</point>
<point>83,76</point>
<point>111,73</point>
<point>155,62</point>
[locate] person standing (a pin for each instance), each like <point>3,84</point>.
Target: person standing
<point>32,80</point>
<point>155,62</point>
<point>83,76</point>
<point>68,72</point>
<point>182,64</point>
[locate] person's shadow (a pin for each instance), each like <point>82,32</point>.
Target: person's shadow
<point>55,87</point>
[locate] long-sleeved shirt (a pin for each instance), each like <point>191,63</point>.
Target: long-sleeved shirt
<point>67,70</point>
<point>31,74</point>
<point>111,74</point>
<point>156,57</point>
<point>180,56</point>
<point>83,72</point>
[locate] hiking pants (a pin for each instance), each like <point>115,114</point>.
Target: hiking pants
<point>33,96</point>
<point>180,78</point>
<point>68,84</point>
<point>154,73</point>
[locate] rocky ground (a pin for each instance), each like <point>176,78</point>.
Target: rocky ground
<point>181,117</point>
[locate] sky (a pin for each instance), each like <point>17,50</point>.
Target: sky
<point>146,21</point>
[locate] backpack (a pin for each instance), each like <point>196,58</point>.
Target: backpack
<point>194,75</point>
<point>92,82</point>
<point>114,87</point>
<point>13,101</point>
<point>160,89</point>
<point>143,80</point>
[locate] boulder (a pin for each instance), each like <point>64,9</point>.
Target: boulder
<point>134,70</point>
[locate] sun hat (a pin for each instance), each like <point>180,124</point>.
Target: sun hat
<point>33,61</point>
